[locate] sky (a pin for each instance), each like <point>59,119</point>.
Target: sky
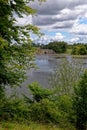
<point>59,20</point>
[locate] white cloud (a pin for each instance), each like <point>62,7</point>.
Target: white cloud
<point>47,38</point>
<point>60,16</point>
<point>58,37</point>
<point>74,40</point>
<point>80,29</point>
<point>23,21</point>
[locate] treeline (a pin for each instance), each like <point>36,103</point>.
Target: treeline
<point>62,47</point>
<point>56,46</point>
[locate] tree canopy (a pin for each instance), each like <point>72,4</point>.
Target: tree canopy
<point>16,52</point>
<point>58,47</point>
<point>79,49</point>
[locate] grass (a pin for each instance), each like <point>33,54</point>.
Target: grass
<point>68,51</point>
<point>31,126</point>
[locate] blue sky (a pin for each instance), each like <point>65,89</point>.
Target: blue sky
<point>61,20</point>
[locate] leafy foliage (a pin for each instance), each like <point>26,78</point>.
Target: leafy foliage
<point>66,76</point>
<point>41,105</point>
<point>79,49</point>
<point>16,51</point>
<point>58,47</point>
<point>47,107</point>
<point>45,111</point>
<point>80,103</point>
<point>14,109</point>
<point>39,93</point>
<point>16,55</point>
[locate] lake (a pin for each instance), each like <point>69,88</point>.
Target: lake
<point>45,67</point>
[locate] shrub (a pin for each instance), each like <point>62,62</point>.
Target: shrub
<point>14,109</point>
<point>45,111</point>
<point>80,103</point>
<point>38,93</point>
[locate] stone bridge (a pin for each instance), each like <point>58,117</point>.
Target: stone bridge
<point>45,51</point>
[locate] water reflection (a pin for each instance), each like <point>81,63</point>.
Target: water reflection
<point>45,67</point>
<point>45,63</point>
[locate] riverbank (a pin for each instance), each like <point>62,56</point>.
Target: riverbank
<point>63,55</point>
<point>80,56</point>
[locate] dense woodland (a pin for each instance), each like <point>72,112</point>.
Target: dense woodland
<point>65,103</point>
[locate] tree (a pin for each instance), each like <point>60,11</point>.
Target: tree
<point>58,47</point>
<point>79,49</point>
<point>16,52</point>
<point>80,103</point>
<point>66,75</point>
<point>82,50</point>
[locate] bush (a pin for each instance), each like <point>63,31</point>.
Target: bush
<point>38,93</point>
<point>45,111</point>
<point>80,103</point>
<point>14,110</point>
<point>79,49</point>
<point>42,108</point>
<point>46,107</point>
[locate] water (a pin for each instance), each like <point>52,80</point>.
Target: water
<point>45,67</point>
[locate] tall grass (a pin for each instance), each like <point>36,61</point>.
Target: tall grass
<point>31,126</point>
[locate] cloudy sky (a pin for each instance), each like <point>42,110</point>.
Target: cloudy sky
<point>62,20</point>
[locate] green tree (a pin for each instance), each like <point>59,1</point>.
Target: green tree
<point>80,103</point>
<point>16,52</point>
<point>58,47</point>
<point>82,50</point>
<point>79,49</point>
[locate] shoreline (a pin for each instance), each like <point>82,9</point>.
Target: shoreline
<point>63,55</point>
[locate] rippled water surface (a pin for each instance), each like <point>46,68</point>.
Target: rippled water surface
<point>46,64</point>
<point>45,67</point>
